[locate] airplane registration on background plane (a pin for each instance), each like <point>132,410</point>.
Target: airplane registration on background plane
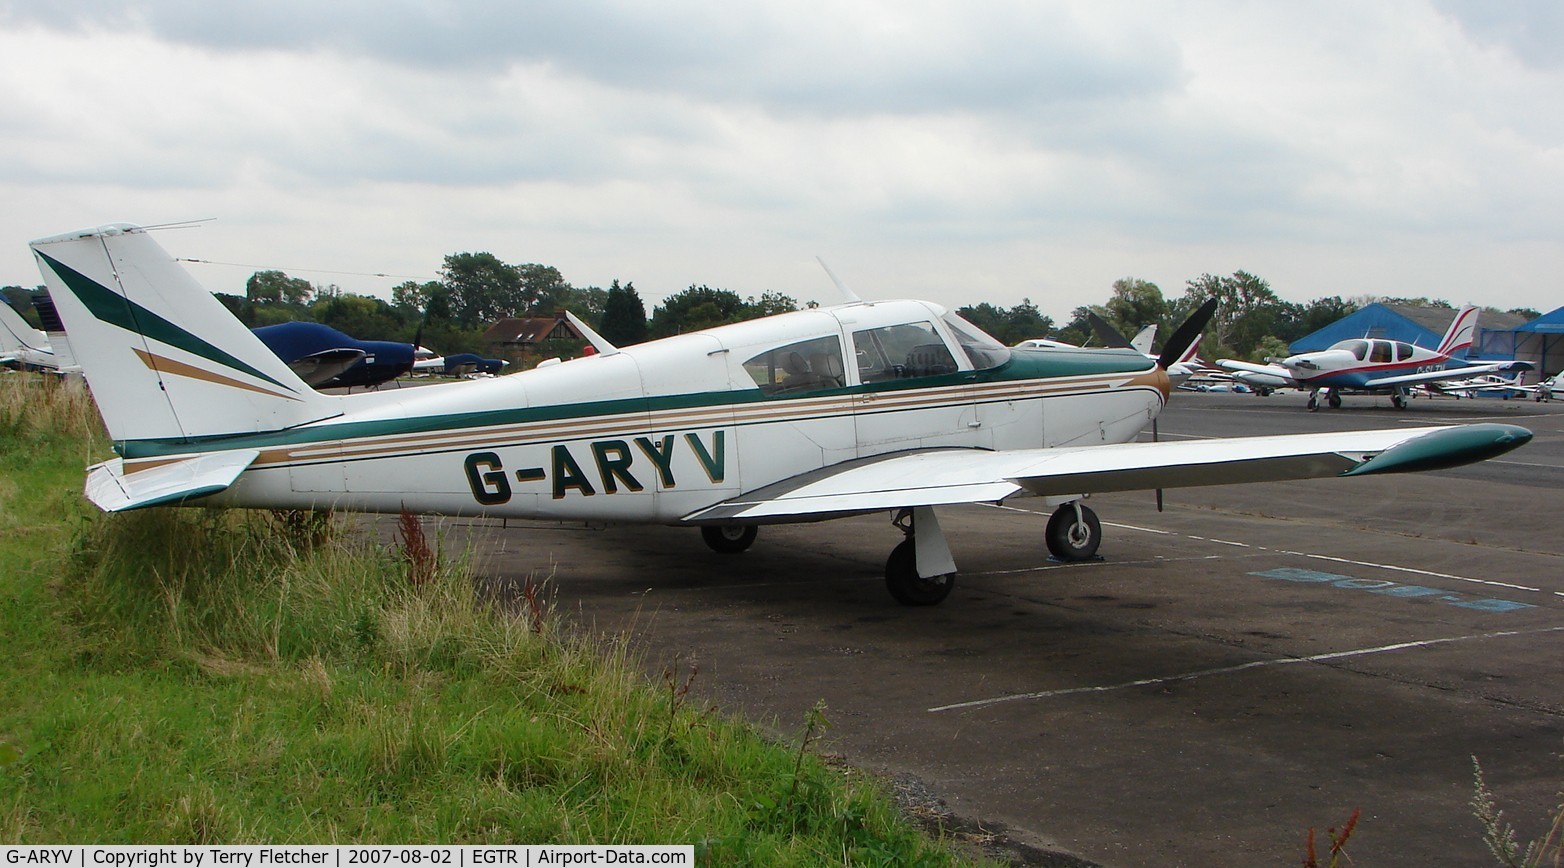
<point>1372,366</point>
<point>863,407</point>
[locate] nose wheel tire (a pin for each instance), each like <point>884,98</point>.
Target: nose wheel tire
<point>729,539</point>
<point>910,589</point>
<point>1073,533</point>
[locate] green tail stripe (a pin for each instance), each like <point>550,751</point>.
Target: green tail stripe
<point>115,309</point>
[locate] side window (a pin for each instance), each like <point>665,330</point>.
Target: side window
<point>1403,352</point>
<point>1381,352</point>
<point>983,351</point>
<point>900,352</point>
<point>806,366</point>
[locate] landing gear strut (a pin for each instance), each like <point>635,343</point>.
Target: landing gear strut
<point>1331,397</point>
<point>1073,533</point>
<point>729,539</point>
<point>925,546</point>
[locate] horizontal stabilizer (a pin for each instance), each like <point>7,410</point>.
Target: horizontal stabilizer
<point>114,490</point>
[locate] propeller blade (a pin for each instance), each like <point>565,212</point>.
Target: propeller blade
<point>1110,336</point>
<point>1186,334</point>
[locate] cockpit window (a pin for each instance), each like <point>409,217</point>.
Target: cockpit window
<point>900,352</point>
<point>983,351</point>
<point>806,366</point>
<point>1358,349</point>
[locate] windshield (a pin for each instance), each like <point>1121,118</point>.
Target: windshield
<point>982,350</point>
<point>1359,349</point>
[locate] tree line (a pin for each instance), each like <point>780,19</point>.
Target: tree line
<point>1251,321</point>
<point>476,289</point>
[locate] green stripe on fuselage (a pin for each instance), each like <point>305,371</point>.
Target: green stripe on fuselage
<point>1046,365</point>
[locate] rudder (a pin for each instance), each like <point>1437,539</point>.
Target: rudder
<point>163,358</point>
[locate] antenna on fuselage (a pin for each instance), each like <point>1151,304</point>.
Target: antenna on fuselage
<point>847,294</point>
<point>598,342</point>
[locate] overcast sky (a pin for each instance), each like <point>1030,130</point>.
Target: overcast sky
<point>962,151</point>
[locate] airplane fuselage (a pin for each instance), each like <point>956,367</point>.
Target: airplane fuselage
<point>1352,364</point>
<point>657,431</point>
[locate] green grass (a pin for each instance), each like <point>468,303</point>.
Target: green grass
<point>194,676</point>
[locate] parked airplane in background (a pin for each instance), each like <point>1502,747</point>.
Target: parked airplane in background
<point>1141,343</point>
<point>1185,366</point>
<point>456,364</point>
<point>891,406</point>
<point>1548,389</point>
<point>23,345</point>
<point>326,358</point>
<point>1371,366</point>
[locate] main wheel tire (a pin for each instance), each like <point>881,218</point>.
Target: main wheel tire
<point>1335,401</point>
<point>910,589</point>
<point>1398,401</point>
<point>1072,540</point>
<point>729,539</point>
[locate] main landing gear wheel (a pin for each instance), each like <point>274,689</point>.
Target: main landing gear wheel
<point>729,539</point>
<point>1335,401</point>
<point>1073,533</point>
<point>910,589</point>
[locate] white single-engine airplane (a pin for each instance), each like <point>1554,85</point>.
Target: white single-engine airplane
<point>858,408</point>
<point>1371,366</point>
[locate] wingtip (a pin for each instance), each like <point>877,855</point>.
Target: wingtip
<point>1445,448</point>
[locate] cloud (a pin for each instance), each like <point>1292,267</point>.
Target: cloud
<point>965,151</point>
<point>813,57</point>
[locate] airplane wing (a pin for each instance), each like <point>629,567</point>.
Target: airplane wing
<point>114,490</point>
<point>1277,371</point>
<point>935,477</point>
<point>1450,374</point>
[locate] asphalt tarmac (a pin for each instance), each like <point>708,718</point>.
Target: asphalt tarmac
<point>1249,663</point>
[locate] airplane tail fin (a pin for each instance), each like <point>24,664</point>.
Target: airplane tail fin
<point>163,358</point>
<point>15,333</point>
<point>1144,339</point>
<point>1191,356</point>
<point>1462,331</point>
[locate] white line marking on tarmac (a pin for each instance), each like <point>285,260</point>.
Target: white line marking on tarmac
<point>1415,571</point>
<point>1076,565</point>
<point>1526,464</point>
<point>1227,670</point>
<point>1135,527</point>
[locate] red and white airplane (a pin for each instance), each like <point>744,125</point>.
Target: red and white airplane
<point>1371,366</point>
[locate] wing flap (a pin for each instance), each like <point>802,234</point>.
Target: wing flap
<point>947,476</point>
<point>114,490</point>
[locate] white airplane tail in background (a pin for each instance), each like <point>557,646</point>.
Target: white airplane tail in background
<point>16,334</point>
<point>1462,331</point>
<point>163,358</point>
